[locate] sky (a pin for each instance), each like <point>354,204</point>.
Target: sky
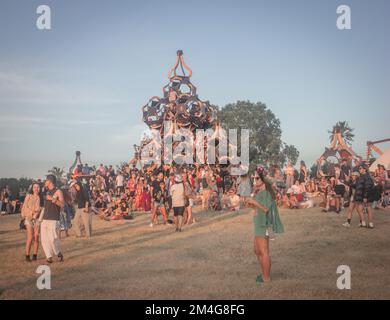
<point>81,85</point>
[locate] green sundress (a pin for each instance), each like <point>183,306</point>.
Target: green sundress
<point>271,221</point>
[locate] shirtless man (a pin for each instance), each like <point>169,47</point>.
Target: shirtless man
<point>289,172</point>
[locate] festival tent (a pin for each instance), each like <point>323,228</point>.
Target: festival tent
<point>384,160</point>
<point>337,149</point>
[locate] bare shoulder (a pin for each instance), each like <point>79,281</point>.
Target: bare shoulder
<point>59,192</point>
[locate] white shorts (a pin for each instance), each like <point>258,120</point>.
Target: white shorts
<point>33,223</point>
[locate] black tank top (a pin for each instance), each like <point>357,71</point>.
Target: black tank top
<point>52,211</point>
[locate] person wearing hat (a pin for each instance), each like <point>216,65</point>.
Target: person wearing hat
<point>53,203</point>
<point>178,201</point>
<point>364,186</point>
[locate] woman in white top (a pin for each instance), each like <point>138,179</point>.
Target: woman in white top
<point>178,201</point>
<point>30,212</point>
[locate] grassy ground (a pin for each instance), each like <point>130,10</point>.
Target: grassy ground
<point>212,259</point>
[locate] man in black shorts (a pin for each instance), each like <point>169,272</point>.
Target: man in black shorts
<point>363,193</point>
<point>339,190</point>
<point>155,190</point>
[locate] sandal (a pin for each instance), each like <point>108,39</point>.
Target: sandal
<point>259,279</point>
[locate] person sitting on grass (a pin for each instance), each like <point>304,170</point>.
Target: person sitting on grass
<point>231,201</point>
<point>110,211</point>
<point>122,209</point>
<point>100,205</point>
<point>294,203</point>
<point>286,201</point>
<point>330,201</point>
<point>234,201</point>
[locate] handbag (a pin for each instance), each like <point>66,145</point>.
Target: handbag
<point>22,226</point>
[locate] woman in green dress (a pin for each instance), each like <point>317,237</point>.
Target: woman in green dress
<point>265,220</point>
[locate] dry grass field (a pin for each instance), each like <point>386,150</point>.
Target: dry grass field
<point>212,259</point>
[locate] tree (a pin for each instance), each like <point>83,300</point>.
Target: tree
<point>314,170</point>
<point>59,173</point>
<point>345,130</point>
<point>18,187</point>
<point>266,146</point>
<point>122,166</point>
<point>290,152</point>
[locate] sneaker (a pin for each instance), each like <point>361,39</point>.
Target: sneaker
<point>28,259</point>
<point>259,279</point>
<point>363,224</point>
<point>371,225</point>
<point>34,258</point>
<point>151,225</point>
<point>346,224</point>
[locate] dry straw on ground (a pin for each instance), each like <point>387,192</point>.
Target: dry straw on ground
<point>212,259</point>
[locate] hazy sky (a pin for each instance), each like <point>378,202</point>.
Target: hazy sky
<point>80,86</point>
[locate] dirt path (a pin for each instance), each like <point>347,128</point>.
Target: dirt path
<point>212,259</point>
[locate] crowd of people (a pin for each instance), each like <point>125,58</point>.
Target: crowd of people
<point>51,210</point>
<point>111,195</point>
<point>348,186</point>
<point>169,194</point>
<point>9,204</point>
